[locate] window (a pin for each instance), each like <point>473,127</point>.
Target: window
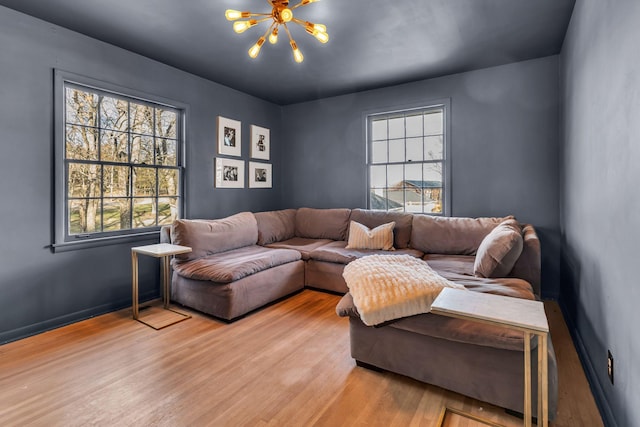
<point>120,164</point>
<point>407,160</point>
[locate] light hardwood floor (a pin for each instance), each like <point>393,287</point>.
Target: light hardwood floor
<point>286,365</point>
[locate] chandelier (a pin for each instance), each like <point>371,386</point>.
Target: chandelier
<point>281,14</point>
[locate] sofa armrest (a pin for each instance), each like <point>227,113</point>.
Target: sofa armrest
<point>165,234</point>
<point>528,266</point>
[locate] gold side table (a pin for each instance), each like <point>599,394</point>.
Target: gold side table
<point>156,317</point>
<point>522,315</point>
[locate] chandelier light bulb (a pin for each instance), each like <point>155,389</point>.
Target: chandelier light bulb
<point>297,55</point>
<point>273,37</point>
<point>232,15</point>
<point>255,49</point>
<point>320,36</point>
<point>242,26</point>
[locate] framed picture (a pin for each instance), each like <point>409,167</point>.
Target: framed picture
<point>260,143</point>
<point>229,173</point>
<point>259,175</point>
<point>229,137</point>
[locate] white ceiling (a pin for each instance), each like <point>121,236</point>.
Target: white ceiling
<point>373,43</point>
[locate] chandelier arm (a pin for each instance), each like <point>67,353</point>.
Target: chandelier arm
<point>302,3</point>
<point>269,29</point>
<point>299,22</point>
<point>288,32</point>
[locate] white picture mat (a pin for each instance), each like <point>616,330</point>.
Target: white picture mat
<point>260,142</point>
<point>229,137</point>
<point>260,175</point>
<point>229,173</point>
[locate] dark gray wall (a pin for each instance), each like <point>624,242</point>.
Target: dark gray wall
<point>600,68</point>
<point>39,289</point>
<point>504,147</point>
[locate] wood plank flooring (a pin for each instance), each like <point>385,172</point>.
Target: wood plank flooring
<point>286,365</point>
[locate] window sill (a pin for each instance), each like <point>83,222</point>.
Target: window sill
<point>105,241</point>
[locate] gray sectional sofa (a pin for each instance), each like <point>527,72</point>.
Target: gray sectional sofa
<point>248,260</point>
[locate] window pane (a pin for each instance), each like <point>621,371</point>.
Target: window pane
<point>167,210</point>
<point>84,216</point>
<point>141,118</point>
<point>168,182</point>
<point>414,149</point>
<point>413,200</point>
<point>378,199</point>
<point>116,181</point>
<point>142,149</point>
<point>166,123</point>
<point>396,128</point>
<point>395,198</point>
<point>413,175</point>
<point>414,125</point>
<point>433,123</point>
<point>378,130</point>
<point>144,212</point>
<point>166,152</point>
<point>84,180</point>
<point>144,181</point>
<point>117,214</point>
<point>81,143</point>
<point>433,188</point>
<point>379,152</point>
<point>81,107</point>
<point>114,146</point>
<point>396,151</point>
<point>433,147</point>
<point>113,113</point>
<point>395,175</point>
<point>378,176</point>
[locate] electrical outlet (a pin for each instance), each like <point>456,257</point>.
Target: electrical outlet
<point>610,365</point>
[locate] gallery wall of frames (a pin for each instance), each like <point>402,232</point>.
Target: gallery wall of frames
<point>231,172</point>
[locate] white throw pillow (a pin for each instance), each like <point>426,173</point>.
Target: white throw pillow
<point>362,237</point>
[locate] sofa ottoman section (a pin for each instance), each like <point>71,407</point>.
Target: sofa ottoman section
<point>230,301</point>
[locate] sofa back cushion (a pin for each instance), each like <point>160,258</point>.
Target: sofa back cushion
<point>276,226</point>
<point>450,235</point>
<point>208,237</point>
<point>373,219</point>
<point>322,223</point>
<point>499,250</point>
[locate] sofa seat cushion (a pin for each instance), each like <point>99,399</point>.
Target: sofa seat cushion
<point>464,331</point>
<point>337,252</point>
<point>460,264</point>
<point>303,245</point>
<point>227,267</point>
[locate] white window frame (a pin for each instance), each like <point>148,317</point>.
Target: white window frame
<point>442,104</point>
<point>62,239</point>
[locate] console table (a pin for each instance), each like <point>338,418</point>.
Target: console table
<point>514,313</point>
<point>155,317</point>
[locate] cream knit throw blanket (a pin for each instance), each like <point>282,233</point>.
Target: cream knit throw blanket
<point>387,287</point>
